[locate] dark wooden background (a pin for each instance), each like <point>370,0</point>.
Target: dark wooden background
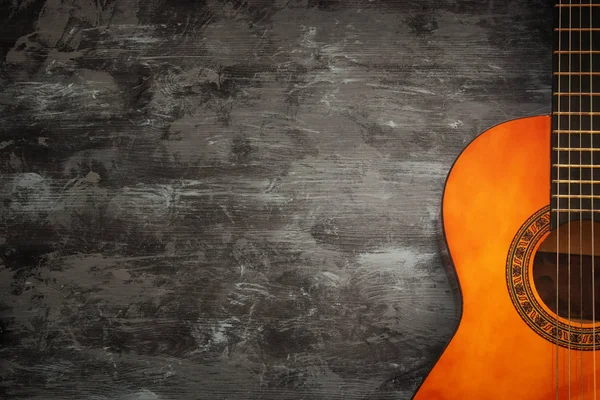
<point>240,199</point>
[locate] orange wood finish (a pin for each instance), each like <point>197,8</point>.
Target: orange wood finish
<point>500,180</point>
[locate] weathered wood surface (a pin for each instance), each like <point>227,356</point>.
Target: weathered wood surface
<point>240,200</point>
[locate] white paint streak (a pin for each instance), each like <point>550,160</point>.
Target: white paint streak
<point>402,260</point>
<point>455,124</point>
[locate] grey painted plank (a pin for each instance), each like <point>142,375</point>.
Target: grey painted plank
<point>229,200</point>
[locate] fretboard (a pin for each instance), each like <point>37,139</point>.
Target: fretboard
<point>575,175</point>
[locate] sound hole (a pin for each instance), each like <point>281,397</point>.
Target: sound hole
<point>577,255</point>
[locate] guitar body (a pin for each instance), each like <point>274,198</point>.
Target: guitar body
<point>499,183</point>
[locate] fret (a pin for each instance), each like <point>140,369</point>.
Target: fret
<point>567,210</point>
<point>581,73</point>
<point>576,52</point>
<point>573,149</point>
<point>574,132</point>
<point>576,29</point>
<point>575,94</point>
<point>573,186</point>
<point>577,5</point>
<point>575,196</point>
<point>574,181</point>
<point>575,166</point>
<point>576,113</point>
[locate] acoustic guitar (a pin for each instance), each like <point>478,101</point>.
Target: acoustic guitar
<point>521,212</point>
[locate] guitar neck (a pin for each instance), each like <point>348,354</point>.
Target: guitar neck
<point>575,186</point>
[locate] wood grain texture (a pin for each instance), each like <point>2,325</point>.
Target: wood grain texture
<point>225,199</point>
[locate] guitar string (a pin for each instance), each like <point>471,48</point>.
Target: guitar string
<point>591,91</point>
<point>569,126</point>
<point>558,150</point>
<point>580,128</point>
<point>592,206</point>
